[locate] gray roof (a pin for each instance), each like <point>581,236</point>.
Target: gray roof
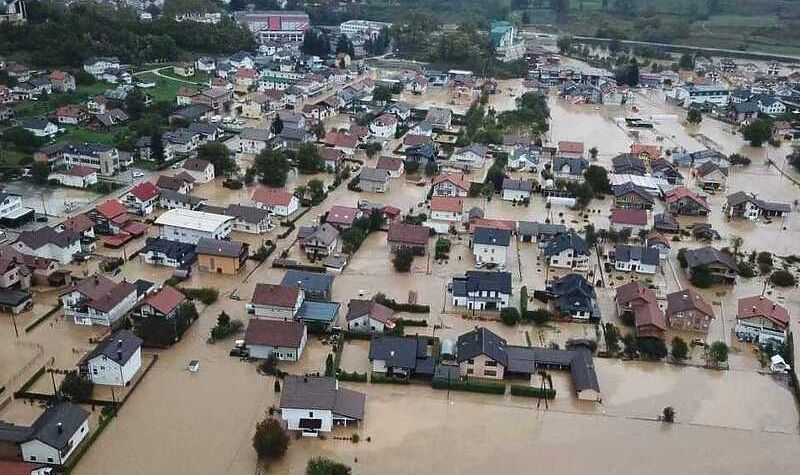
<point>629,163</point>
<point>667,222</point>
<point>48,235</point>
<point>492,237</point>
<point>630,187</point>
<point>569,240</point>
<point>13,297</point>
<point>533,228</point>
<point>248,214</point>
<point>172,249</point>
<point>119,346</point>
<point>218,247</point>
<point>709,255</point>
<point>481,341</point>
<point>172,195</point>
<point>250,133</point>
<point>517,185</point>
<point>584,375</point>
<point>576,164</point>
<point>575,294</point>
<point>645,255</point>
<point>374,174</point>
<point>308,281</point>
<point>438,115</point>
<point>398,351</point>
<point>46,428</point>
<point>196,164</point>
<point>324,233</point>
<point>308,392</point>
<point>476,281</point>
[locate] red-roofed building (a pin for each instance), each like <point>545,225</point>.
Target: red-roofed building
<point>450,184</point>
<point>635,219</point>
<point>638,300</point>
<point>446,212</point>
<point>394,165</point>
<point>142,198</point>
<point>277,200</point>
<point>9,467</point>
<point>568,148</point>
<point>162,304</point>
<point>347,143</point>
<point>276,301</point>
<point>411,140</point>
<point>342,217</point>
<point>109,217</point>
<point>76,177</point>
<point>646,152</point>
<point>503,224</point>
<point>759,319</point>
<point>409,236</point>
<point>71,115</point>
<point>682,200</point>
<point>383,127</point>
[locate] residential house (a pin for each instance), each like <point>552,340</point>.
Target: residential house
<point>332,158</point>
<point>631,196</point>
<point>567,251</point>
<point>711,176</point>
<point>525,158</point>
<point>14,301</point>
<point>517,190</point>
<point>315,286</point>
<point>648,153</point>
<point>575,297</point>
<point>70,115</point>
<point>221,257</point>
<point>201,170</point>
<point>664,169</point>
<point>162,304</point>
<point>402,356</point>
<point>283,340</point>
<point>253,141</point>
<point>249,219</point>
<point>109,217</point>
<point>409,236</point>
<point>569,168</point>
<point>749,206</point>
<point>688,311</point>
<point>311,405</point>
<point>641,302</point>
<point>643,260</point>
<point>532,231</point>
<point>278,302</point>
<point>683,201</point>
<point>723,266</point>
<point>450,184</point>
<point>570,149</point>
<point>318,241</point>
<point>167,253</point>
<point>373,180</point>
<point>393,165</point>
<point>478,290</point>
<point>369,316</point>
<point>660,243</point>
<point>115,360</point>
<point>446,213</point>
<point>75,177</point>
<point>699,157</point>
<point>383,127</point>
<point>347,143</point>
<point>62,81</point>
<point>628,164</point>
<point>170,199</point>
<point>277,201</point>
<point>98,300</point>
<point>439,117</point>
<point>39,127</point>
<point>743,112</point>
<point>52,438</point>
<point>84,226</point>
<point>761,320</point>
<point>342,217</point>
<point>666,223</point>
<point>634,219</point>
<point>189,226</point>
<point>142,198</point>
<point>48,243</point>
<point>473,156</point>
<point>423,153</point>
<point>490,246</point>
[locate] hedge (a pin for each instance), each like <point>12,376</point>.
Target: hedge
<point>528,391</point>
<point>402,307</point>
<point>379,378</point>
<point>206,295</point>
<point>354,376</point>
<point>471,386</point>
<point>351,335</point>
<point>412,322</point>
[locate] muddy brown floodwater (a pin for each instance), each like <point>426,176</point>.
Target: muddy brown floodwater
<point>740,421</point>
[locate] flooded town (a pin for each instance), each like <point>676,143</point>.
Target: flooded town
<point>278,262</point>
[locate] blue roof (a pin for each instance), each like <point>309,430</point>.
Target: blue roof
<point>320,312</point>
<point>309,281</point>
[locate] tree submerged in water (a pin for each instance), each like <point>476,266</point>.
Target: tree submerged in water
<point>668,414</point>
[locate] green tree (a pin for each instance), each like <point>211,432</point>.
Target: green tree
<point>352,239</point>
<point>329,366</point>
<point>431,168</point>
<point>540,316</point>
<point>782,278</point>
<point>680,350</point>
<point>308,159</point>
<point>316,188</point>
<point>76,386</point>
<point>372,149</point>
<point>40,172</point>
<point>509,316</point>
<point>270,439</point>
<point>611,336</point>
<point>134,104</point>
<point>272,167</point>
<point>564,44</point>
<point>702,277</point>
<point>323,466</point>
<point>591,235</point>
<point>276,127</point>
<point>718,352</point>
<point>757,132</point>
<point>219,156</point>
<point>652,348</point>
<point>382,94</point>
<point>318,129</point>
<point>403,259</point>
<point>24,140</point>
<point>694,116</point>
<point>686,61</point>
<point>523,301</point>
<point>157,147</point>
<point>597,177</point>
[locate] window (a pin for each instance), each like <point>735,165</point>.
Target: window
<point>310,413</point>
<point>33,457</point>
<point>491,363</point>
<point>50,459</point>
<point>470,361</point>
<point>470,371</point>
<point>489,372</point>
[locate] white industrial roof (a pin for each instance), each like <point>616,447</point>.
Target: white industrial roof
<point>189,219</point>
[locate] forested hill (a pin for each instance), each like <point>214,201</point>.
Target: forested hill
<point>56,35</point>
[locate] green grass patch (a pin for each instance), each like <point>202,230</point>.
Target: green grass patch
<point>527,391</point>
<point>378,378</point>
<point>80,134</point>
<point>165,90</point>
<point>471,385</point>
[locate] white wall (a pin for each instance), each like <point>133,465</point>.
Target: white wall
<point>37,451</point>
<point>108,372</point>
<point>365,324</point>
<point>192,236</point>
<point>293,416</point>
<point>518,195</point>
<point>490,253</point>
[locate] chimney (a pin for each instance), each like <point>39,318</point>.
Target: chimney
<point>119,343</point>
<point>60,427</point>
<point>119,355</point>
<point>774,305</point>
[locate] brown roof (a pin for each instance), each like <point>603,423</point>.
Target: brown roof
<point>272,196</point>
<point>688,299</point>
<point>644,304</point>
<point>652,151</point>
<point>274,333</point>
<point>759,306</point>
<point>636,217</point>
<point>412,139</point>
<point>451,178</point>
<point>389,163</point>
<point>409,234</point>
<point>110,209</point>
<point>166,300</point>
<point>342,215</point>
<point>101,293</point>
<point>568,146</point>
<point>359,308</point>
<point>78,223</point>
<point>276,295</point>
<point>439,203</point>
<point>196,164</point>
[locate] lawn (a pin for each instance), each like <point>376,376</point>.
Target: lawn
<point>80,134</point>
<point>10,158</point>
<point>165,90</point>
<point>48,104</point>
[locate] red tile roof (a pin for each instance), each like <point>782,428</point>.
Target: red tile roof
<point>337,139</point>
<point>272,196</point>
<point>451,178</point>
<point>680,192</point>
<point>78,223</point>
<point>274,333</point>
<point>453,205</point>
<point>505,224</point>
<point>409,234</point>
<point>144,191</point>
<point>110,209</point>
<point>80,171</point>
<point>276,295</point>
<point>652,151</point>
<point>389,163</point>
<point>568,146</point>
<point>636,217</point>
<point>412,139</point>
<point>166,300</point>
<point>342,215</point>
<point>758,306</point>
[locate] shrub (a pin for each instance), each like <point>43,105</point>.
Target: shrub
<point>403,259</point>
<point>668,414</point>
<point>412,322</point>
<point>628,319</point>
<point>540,316</point>
<point>277,386</point>
<point>323,466</point>
<point>718,352</point>
<point>485,387</point>
<point>682,258</point>
<point>528,391</point>
<point>225,327</point>
<point>652,348</point>
<point>680,350</point>
<point>206,295</point>
<point>782,278</point>
<point>509,316</point>
<point>76,386</point>
<point>270,439</point>
<point>379,378</point>
<point>401,307</point>
<point>354,376</point>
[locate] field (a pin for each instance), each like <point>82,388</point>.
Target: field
<point>81,134</point>
<point>166,88</point>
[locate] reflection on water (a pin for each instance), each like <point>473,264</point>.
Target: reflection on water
<point>53,201</point>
